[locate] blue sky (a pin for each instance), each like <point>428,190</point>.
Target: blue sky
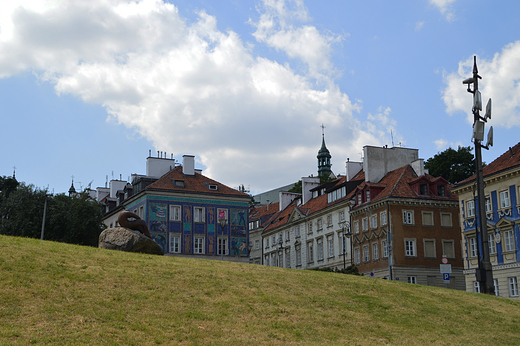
<point>88,88</point>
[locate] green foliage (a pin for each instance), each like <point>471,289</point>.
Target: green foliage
<point>7,185</point>
<point>324,178</point>
<point>453,165</point>
<point>75,220</point>
<point>297,188</point>
<point>352,269</point>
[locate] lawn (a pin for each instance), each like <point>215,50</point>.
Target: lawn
<point>61,294</point>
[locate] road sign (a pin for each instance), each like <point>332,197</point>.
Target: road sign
<point>445,268</point>
<point>446,277</point>
<point>444,260</point>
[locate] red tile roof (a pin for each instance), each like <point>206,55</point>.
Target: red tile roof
<point>502,163</point>
<point>263,210</point>
<point>196,183</point>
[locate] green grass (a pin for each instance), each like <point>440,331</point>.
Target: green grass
<point>60,294</point>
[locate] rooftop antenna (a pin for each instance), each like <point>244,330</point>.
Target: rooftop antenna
<point>392,134</point>
<point>106,182</point>
<point>14,172</point>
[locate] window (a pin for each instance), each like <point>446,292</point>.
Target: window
<point>448,248</point>
<point>175,213</point>
<point>495,285</point>
<point>476,287</point>
<point>492,246</point>
<point>267,242</point>
<point>198,214</point>
<point>489,209</point>
<point>359,198</point>
<point>297,231</point>
<point>375,251</point>
<point>366,254</point>
<point>287,235</point>
<point>141,212</point>
<point>429,248</point>
<point>319,225</point>
<point>356,227</point>
<point>504,199</point>
<point>513,287</point>
<point>273,240</point>
<point>373,221</point>
<point>280,260</point>
<point>343,242</point>
<point>199,245</point>
<point>320,249</point>
<point>408,217</point>
<point>257,244</point>
<point>310,253</point>
<point>288,258</point>
<point>423,189</point>
<point>266,260</point>
<point>212,187</point>
<point>356,256</point>
<point>473,247</point>
<point>367,195</point>
<point>310,228</point>
<point>174,243</point>
<point>365,224</point>
<point>385,248</point>
<point>409,247</point>
<point>273,259</point>
<point>470,208</point>
<point>383,218</point>
<point>329,220</point>
<point>412,279</point>
<point>222,248</point>
<point>330,243</point>
<point>441,190</point>
<point>446,220</point>
<point>298,256</point>
<point>341,216</point>
<point>509,244</point>
<point>427,218</point>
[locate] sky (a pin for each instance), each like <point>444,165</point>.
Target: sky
<point>89,88</point>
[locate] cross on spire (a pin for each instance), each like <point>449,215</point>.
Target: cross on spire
<point>322,130</point>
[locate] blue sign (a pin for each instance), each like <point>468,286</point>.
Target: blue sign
<point>446,276</point>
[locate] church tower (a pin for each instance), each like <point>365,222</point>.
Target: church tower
<point>324,166</point>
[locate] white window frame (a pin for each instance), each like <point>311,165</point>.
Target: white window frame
<point>319,224</point>
<point>329,220</point>
<point>357,256</point>
<point>505,202</point>
<point>175,246</point>
<point>224,240</point>
<point>513,286</point>
<point>473,246</point>
<point>310,252</point>
<point>257,244</point>
<point>509,241</point>
<point>198,245</point>
<point>495,284</point>
<point>470,208</point>
<point>373,221</point>
<point>367,196</point>
<point>356,227</point>
<point>298,255</point>
<point>410,247</point>
<point>412,280</point>
<point>341,216</point>
<point>320,249</point>
<point>175,213</point>
<point>492,245</point>
<point>408,217</point>
<point>366,253</point>
<point>476,287</point>
<point>384,244</point>
<point>365,224</point>
<point>383,218</point>
<point>375,251</point>
<point>287,235</point>
<point>309,225</point>
<point>297,231</point>
<point>489,206</point>
<point>330,244</point>
<point>199,214</point>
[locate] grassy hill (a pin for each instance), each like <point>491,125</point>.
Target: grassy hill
<point>60,294</point>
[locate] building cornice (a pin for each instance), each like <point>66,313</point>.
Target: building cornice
<point>488,180</point>
<point>404,201</point>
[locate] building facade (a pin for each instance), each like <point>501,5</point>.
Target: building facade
<point>404,221</point>
<point>502,206</point>
<point>184,211</point>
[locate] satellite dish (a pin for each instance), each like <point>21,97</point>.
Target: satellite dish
<point>488,110</point>
<point>490,136</point>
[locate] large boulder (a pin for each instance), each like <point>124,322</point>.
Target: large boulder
<point>124,239</point>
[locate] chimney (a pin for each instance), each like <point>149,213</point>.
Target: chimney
<point>188,165</point>
<point>307,184</point>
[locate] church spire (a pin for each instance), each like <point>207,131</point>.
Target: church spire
<point>324,166</point>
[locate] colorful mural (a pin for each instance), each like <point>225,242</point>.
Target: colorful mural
<point>238,217</point>
<point>238,247</point>
<point>159,238</point>
<point>158,211</point>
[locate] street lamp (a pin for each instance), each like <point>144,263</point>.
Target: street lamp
<point>280,249</point>
<point>222,223</point>
<point>484,273</point>
<point>346,232</point>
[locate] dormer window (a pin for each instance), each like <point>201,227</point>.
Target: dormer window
<point>441,190</point>
<point>359,198</point>
<point>423,189</point>
<point>212,187</point>
<point>178,183</point>
<point>367,195</point>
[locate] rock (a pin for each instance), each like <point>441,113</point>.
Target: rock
<point>124,239</point>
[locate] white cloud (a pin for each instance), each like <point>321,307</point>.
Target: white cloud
<point>445,7</point>
<point>500,82</point>
<point>192,89</point>
<point>419,25</point>
<point>441,144</point>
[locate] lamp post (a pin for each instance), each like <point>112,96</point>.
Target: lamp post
<point>346,232</point>
<point>222,223</point>
<point>484,273</point>
<point>280,249</point>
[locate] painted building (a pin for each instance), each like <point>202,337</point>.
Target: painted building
<point>183,209</point>
<point>259,216</point>
<point>404,221</point>
<point>502,205</point>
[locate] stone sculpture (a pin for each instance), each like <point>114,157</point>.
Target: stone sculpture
<point>138,224</point>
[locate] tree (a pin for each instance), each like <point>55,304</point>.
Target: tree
<point>69,219</point>
<point>453,165</point>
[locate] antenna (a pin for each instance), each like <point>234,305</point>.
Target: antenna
<point>392,134</point>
